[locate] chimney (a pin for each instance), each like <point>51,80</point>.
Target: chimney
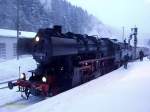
<point>57,28</point>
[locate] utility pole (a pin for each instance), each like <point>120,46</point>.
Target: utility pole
<point>17,28</point>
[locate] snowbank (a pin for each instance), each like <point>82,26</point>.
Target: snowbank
<point>119,91</point>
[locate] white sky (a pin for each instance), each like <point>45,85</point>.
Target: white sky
<point>118,13</point>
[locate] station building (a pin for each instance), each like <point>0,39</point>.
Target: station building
<point>8,43</point>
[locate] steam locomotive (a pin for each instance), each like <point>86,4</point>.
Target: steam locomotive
<point>66,60</point>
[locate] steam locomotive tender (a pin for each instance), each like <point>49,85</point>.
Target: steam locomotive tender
<point>65,60</point>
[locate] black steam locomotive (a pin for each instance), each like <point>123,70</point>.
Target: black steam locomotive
<point>66,60</point>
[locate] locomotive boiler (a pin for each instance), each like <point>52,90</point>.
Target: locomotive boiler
<point>65,60</point>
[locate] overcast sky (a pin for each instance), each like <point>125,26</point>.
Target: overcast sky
<point>118,13</point>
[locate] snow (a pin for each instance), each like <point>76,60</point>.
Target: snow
<point>119,91</point>
<point>47,4</point>
<point>13,33</point>
<point>10,100</point>
<point>10,69</point>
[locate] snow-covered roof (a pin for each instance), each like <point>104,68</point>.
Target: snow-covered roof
<point>13,33</point>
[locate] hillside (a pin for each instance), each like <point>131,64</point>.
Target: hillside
<point>35,14</point>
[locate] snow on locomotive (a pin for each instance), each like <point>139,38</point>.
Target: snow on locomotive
<point>65,60</point>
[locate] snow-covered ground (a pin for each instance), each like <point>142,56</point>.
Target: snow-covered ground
<point>10,100</point>
<point>10,69</point>
<point>119,91</point>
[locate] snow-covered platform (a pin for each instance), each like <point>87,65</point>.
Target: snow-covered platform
<point>119,91</point>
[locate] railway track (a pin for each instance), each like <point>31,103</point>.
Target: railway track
<point>19,104</point>
<point>11,101</point>
<point>7,81</point>
<point>3,86</point>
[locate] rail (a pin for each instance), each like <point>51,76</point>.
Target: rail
<point>3,84</point>
<point>7,81</point>
<point>3,87</point>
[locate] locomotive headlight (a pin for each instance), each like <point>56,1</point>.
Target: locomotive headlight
<point>44,79</point>
<point>37,39</point>
<point>23,76</point>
